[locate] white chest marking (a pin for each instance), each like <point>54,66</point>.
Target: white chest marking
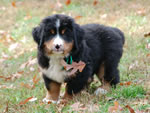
<point>55,71</point>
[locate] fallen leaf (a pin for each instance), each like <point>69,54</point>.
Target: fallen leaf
<point>78,106</point>
<point>104,16</point>
<point>148,55</point>
<point>77,17</point>
<point>147,34</point>
<point>68,2</point>
<point>13,76</point>
<point>81,66</point>
<point>7,87</point>
<point>115,108</point>
<point>26,85</point>
<point>141,12</point>
<point>74,67</point>
<point>33,99</point>
<point>13,3</point>
<point>5,78</point>
<point>25,101</point>
<point>13,46</point>
<point>95,2</point>
<point>6,109</point>
<point>130,109</point>
<point>31,61</point>
<point>126,83</point>
<point>35,80</point>
<point>58,4</point>
<point>17,75</point>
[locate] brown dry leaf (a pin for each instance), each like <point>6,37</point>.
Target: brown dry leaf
<point>66,66</point>
<point>7,87</point>
<point>17,75</point>
<point>130,109</point>
<point>81,66</point>
<point>26,85</point>
<point>6,38</point>
<point>35,80</point>
<point>95,2</point>
<point>78,106</point>
<point>115,108</point>
<point>13,76</point>
<point>68,2</point>
<point>23,65</point>
<point>141,12</point>
<point>25,101</point>
<point>77,17</point>
<point>13,46</point>
<point>63,102</point>
<point>74,66</point>
<point>147,34</point>
<point>126,83</point>
<point>5,78</point>
<point>148,55</point>
<point>30,62</point>
<point>6,109</point>
<point>58,4</point>
<point>13,3</point>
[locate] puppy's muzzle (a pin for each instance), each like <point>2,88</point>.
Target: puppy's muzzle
<point>58,48</point>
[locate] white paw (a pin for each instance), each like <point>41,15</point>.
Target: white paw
<point>100,91</point>
<point>45,100</point>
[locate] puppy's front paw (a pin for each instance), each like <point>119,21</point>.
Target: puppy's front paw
<point>45,100</point>
<point>100,91</point>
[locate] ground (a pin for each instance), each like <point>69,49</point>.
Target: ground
<point>20,78</point>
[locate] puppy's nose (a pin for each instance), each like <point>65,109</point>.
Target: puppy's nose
<point>57,46</point>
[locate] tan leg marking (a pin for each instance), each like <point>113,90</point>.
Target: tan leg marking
<point>105,85</point>
<point>53,93</point>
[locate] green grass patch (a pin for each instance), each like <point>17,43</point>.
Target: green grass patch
<point>128,92</point>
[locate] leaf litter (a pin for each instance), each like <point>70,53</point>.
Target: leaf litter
<point>118,109</point>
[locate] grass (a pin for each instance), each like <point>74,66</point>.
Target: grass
<point>131,16</point>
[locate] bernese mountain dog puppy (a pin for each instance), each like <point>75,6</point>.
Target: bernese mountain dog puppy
<point>100,47</point>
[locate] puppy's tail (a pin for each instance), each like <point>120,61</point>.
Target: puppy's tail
<point>121,35</point>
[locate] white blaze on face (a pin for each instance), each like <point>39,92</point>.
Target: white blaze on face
<point>57,23</point>
<point>58,40</point>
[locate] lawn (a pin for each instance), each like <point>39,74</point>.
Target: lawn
<point>21,85</point>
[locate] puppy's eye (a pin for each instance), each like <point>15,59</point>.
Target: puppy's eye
<point>63,31</point>
<point>52,31</point>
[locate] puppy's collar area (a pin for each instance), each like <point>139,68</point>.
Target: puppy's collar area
<point>69,59</point>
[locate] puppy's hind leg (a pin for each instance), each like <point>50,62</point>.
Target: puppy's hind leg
<point>105,86</point>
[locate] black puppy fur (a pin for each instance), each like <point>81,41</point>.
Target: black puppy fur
<point>94,44</point>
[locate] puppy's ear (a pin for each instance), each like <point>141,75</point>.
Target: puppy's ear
<point>37,34</point>
<point>78,34</point>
